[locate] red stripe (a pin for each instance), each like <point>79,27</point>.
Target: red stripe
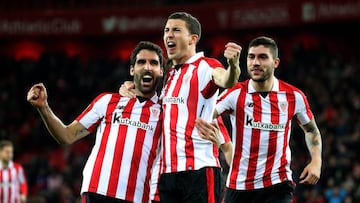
<point>119,149</point>
<point>10,186</point>
<point>173,137</point>
<point>91,128</point>
<point>87,109</point>
<point>255,141</point>
<point>210,185</point>
<point>173,141</point>
<point>240,113</point>
<point>272,143</point>
<point>163,151</point>
<point>223,129</point>
<point>135,162</point>
<point>95,176</point>
<point>174,111</point>
<point>152,156</point>
<point>291,109</point>
<point>83,199</point>
<point>192,108</point>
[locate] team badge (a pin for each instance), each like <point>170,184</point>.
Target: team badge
<point>283,106</point>
<point>154,112</point>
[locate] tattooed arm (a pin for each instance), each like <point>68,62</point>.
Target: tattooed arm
<point>63,134</point>
<point>311,173</point>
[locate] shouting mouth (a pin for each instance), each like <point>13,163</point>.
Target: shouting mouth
<point>147,80</point>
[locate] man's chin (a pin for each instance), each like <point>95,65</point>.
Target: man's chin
<point>147,90</point>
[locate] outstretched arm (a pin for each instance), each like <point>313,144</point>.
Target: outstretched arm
<point>63,134</point>
<point>228,77</point>
<point>311,173</point>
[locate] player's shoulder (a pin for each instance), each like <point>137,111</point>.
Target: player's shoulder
<point>236,89</point>
<point>17,165</point>
<point>240,85</point>
<point>213,62</point>
<point>285,86</point>
<point>109,94</point>
<point>106,97</point>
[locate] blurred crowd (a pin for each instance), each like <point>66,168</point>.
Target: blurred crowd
<point>329,79</point>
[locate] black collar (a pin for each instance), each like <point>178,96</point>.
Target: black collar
<point>177,66</point>
<point>142,99</point>
<point>263,94</point>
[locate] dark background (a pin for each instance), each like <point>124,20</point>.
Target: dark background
<point>321,57</point>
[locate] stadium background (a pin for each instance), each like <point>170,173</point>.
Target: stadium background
<point>81,48</point>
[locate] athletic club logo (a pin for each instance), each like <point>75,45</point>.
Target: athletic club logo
<point>283,106</point>
<point>155,112</point>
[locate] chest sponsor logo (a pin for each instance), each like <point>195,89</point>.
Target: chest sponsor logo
<point>117,119</point>
<point>249,122</point>
<point>173,100</point>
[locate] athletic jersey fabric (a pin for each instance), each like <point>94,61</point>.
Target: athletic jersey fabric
<point>261,132</point>
<point>127,138</point>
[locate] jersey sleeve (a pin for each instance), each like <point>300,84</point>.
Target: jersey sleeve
<point>302,109</point>
<point>206,67</point>
<point>227,101</point>
<point>23,182</point>
<point>223,131</point>
<point>94,112</point>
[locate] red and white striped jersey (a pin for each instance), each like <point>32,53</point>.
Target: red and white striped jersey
<point>155,174</point>
<point>189,93</point>
<point>261,132</point>
<point>127,138</point>
<point>12,183</point>
<point>223,131</point>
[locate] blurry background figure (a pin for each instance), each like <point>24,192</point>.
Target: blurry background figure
<point>13,186</point>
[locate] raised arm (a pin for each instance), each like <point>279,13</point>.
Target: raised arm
<point>63,134</point>
<point>228,77</point>
<point>311,173</point>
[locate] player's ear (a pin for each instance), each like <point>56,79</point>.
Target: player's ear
<point>132,71</point>
<point>162,71</point>
<point>276,62</point>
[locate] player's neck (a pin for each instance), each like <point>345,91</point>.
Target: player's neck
<point>5,164</point>
<point>147,96</point>
<point>184,58</point>
<point>263,86</point>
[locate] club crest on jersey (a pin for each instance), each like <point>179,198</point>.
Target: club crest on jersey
<point>154,112</point>
<point>283,106</point>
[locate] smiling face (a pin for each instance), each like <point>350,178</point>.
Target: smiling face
<point>180,44</point>
<point>147,72</point>
<point>260,63</point>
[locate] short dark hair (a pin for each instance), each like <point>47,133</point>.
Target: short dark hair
<point>5,143</point>
<point>192,23</point>
<point>266,42</point>
<point>148,46</point>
